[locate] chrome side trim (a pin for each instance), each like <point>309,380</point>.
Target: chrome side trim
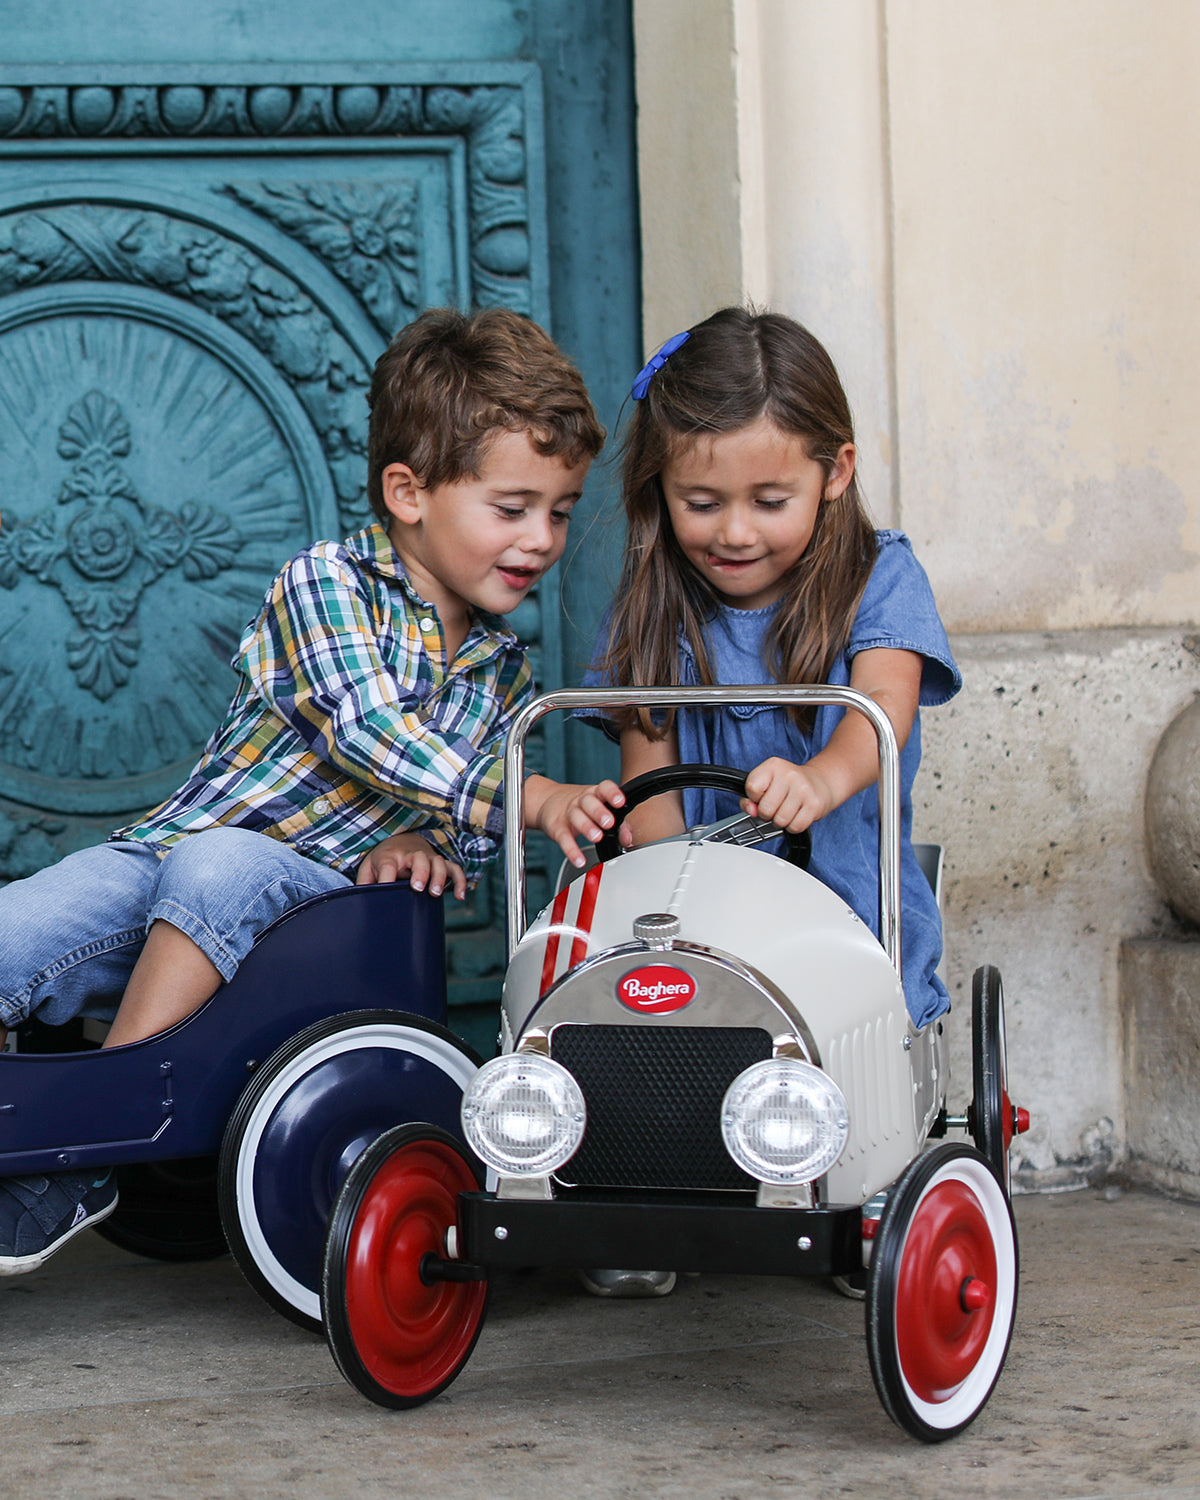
<point>776,1195</point>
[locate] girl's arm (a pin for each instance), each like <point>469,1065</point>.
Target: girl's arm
<point>793,796</point>
<point>661,817</point>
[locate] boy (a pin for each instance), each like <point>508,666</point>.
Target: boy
<point>365,738</point>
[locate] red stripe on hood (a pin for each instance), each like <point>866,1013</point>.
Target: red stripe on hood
<point>550,961</point>
<point>587,910</point>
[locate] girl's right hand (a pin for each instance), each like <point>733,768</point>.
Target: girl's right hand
<point>790,796</point>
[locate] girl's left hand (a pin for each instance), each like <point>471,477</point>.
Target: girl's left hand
<point>792,797</point>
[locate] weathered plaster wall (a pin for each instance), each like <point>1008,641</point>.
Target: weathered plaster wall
<point>817,198</point>
<point>1047,301</point>
<point>1032,778</point>
<point>688,172</point>
<point>988,212</point>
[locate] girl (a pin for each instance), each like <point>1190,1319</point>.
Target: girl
<point>750,559</point>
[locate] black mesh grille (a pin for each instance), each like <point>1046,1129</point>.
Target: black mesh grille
<point>654,1102</point>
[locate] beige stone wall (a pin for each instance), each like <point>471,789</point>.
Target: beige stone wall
<point>987,209</point>
<point>1047,296</point>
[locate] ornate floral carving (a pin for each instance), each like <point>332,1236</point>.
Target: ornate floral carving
<point>29,841</point>
<point>97,242</point>
<point>367,233</point>
<point>105,546</point>
<point>494,122</point>
<point>489,118</point>
<point>100,542</point>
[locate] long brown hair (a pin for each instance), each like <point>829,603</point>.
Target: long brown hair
<point>736,367</point>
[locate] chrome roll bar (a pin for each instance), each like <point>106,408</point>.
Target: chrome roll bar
<point>568,699</point>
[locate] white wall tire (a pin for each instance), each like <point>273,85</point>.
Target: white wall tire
<point>308,1113</point>
<point>942,1294</point>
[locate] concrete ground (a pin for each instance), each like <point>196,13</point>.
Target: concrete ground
<point>125,1377</point>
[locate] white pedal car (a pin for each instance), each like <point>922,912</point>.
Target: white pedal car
<point>707,1065</point>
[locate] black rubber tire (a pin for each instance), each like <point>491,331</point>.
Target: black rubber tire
<point>168,1210</point>
<point>935,1361</point>
<point>991,1110</point>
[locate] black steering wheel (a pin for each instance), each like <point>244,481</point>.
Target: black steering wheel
<point>676,779</point>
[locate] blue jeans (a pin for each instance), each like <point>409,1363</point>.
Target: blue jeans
<point>71,934</point>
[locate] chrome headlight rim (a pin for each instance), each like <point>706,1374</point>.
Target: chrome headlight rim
<point>523,1115</point>
<point>797,1088</point>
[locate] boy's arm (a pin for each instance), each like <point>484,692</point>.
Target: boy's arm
<point>565,812</point>
<point>794,797</point>
<point>315,659</point>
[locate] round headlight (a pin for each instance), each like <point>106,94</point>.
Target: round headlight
<point>784,1121</point>
<point>523,1113</point>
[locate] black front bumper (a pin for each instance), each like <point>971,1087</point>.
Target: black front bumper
<point>722,1232</point>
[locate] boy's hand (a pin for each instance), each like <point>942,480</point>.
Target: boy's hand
<point>407,856</point>
<point>792,797</point>
<point>567,813</point>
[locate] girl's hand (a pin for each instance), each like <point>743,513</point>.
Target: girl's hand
<point>792,797</point>
<point>407,856</point>
<point>567,813</point>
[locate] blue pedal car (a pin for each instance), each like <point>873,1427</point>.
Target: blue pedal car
<point>237,1126</point>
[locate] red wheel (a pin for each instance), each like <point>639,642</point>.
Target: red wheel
<point>942,1294</point>
<point>397,1338</point>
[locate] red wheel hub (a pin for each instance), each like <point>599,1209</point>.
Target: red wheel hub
<point>410,1337</point>
<point>946,1292</point>
<point>1013,1121</point>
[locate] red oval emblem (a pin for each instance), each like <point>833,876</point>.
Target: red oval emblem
<point>656,989</point>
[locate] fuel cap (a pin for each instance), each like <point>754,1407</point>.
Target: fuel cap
<point>657,929</point>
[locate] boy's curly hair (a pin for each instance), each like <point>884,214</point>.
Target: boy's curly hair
<point>449,380</point>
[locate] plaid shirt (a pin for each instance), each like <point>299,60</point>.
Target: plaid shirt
<point>346,728</point>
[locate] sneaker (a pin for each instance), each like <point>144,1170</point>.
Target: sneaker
<point>38,1215</point>
<point>628,1283</point>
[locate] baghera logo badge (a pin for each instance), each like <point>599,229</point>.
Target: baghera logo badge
<point>656,989</point>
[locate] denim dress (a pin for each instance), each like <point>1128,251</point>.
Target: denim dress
<point>897,612</point>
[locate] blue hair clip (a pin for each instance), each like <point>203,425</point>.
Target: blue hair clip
<point>655,363</point>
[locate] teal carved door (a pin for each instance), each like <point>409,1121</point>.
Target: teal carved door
<point>201,256</point>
